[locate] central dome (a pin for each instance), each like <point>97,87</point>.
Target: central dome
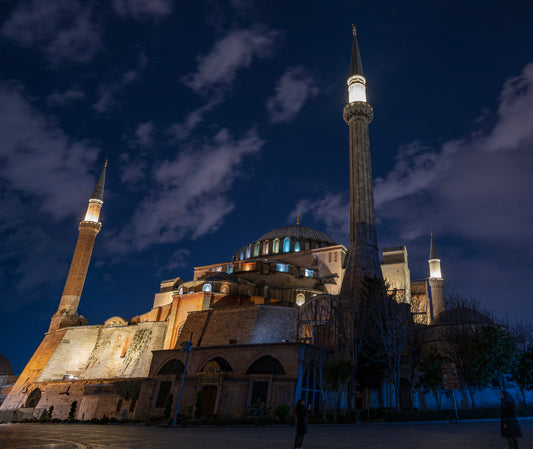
<point>299,232</point>
<point>288,239</point>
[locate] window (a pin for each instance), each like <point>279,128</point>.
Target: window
<point>300,299</point>
<point>207,288</point>
<point>297,245</point>
<point>286,245</point>
<point>224,289</point>
<point>218,269</point>
<point>229,269</point>
<point>256,250</point>
<point>180,291</point>
<point>266,365</point>
<point>283,267</point>
<point>329,257</point>
<point>307,245</point>
<point>265,247</point>
<point>241,256</point>
<point>275,246</point>
<point>248,252</point>
<point>164,391</point>
<point>335,257</point>
<point>308,273</point>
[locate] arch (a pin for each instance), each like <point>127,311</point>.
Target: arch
<point>224,289</point>
<point>241,255</point>
<point>33,398</point>
<point>221,362</point>
<point>265,247</point>
<point>300,299</point>
<point>297,246</point>
<point>311,387</point>
<point>248,251</point>
<point>173,366</point>
<point>115,321</point>
<point>275,246</point>
<point>256,249</point>
<point>286,244</point>
<point>207,288</point>
<point>180,291</point>
<point>266,365</point>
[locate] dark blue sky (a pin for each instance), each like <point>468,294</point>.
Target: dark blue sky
<point>222,120</point>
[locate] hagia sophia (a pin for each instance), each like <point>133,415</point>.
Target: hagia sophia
<point>241,318</point>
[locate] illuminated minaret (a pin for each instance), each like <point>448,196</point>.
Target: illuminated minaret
<point>67,312</point>
<point>362,259</point>
<point>436,281</point>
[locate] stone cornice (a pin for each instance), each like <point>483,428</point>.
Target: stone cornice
<point>358,109</point>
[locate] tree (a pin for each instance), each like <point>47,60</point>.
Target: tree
<point>391,326</point>
<point>72,413</point>
<point>431,375</point>
<point>523,371</point>
<point>336,374</point>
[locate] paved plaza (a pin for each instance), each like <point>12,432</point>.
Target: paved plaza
<point>466,435</point>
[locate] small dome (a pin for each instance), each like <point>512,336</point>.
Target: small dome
<point>462,315</point>
<point>298,232</point>
<point>5,366</point>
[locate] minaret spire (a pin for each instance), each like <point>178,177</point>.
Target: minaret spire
<point>67,312</point>
<point>362,259</point>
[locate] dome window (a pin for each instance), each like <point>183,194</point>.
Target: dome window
<point>207,288</point>
<point>265,247</point>
<point>300,299</point>
<point>286,245</point>
<point>229,269</point>
<point>256,250</point>
<point>297,246</point>
<point>275,246</point>
<point>248,252</point>
<point>241,256</point>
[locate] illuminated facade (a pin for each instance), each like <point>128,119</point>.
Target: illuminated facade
<point>242,314</point>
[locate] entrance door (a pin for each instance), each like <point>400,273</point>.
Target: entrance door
<point>259,392</point>
<point>210,399</point>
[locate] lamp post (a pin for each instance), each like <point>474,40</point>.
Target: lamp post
<point>185,346</point>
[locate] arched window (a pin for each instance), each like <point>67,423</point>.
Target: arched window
<point>248,252</point>
<point>241,255</point>
<point>307,245</point>
<point>297,245</point>
<point>229,269</point>
<point>266,365</point>
<point>300,299</point>
<point>180,291</point>
<point>275,246</point>
<point>33,398</point>
<point>265,247</point>
<point>207,288</point>
<point>224,289</point>
<point>286,245</point>
<point>173,366</point>
<point>256,250</point>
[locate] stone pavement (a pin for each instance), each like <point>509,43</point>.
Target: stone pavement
<point>466,435</point>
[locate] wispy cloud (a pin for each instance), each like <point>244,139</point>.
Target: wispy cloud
<point>191,192</point>
<point>478,187</point>
<point>294,88</point>
<point>234,51</point>
<point>143,135</point>
<point>133,170</point>
<point>44,173</point>
<point>66,97</point>
<point>143,9</point>
<point>182,131</point>
<point>64,29</point>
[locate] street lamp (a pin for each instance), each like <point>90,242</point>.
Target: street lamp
<point>185,346</point>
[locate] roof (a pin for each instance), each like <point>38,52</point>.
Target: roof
<point>5,366</point>
<point>433,250</point>
<point>98,193</point>
<point>298,232</point>
<point>462,316</point>
<point>356,66</point>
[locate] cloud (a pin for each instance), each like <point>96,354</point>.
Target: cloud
<point>144,135</point>
<point>294,88</point>
<point>143,9</point>
<point>476,188</point>
<point>182,131</point>
<point>190,196</point>
<point>63,29</point>
<point>178,259</point>
<point>132,170</point>
<point>234,51</point>
<point>45,177</point>
<point>66,97</point>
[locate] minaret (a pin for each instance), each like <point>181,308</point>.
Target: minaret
<point>436,282</point>
<point>67,312</point>
<point>362,259</point>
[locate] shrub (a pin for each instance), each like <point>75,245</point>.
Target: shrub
<point>72,413</point>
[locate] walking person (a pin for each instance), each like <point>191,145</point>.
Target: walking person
<point>509,424</point>
<point>301,412</point>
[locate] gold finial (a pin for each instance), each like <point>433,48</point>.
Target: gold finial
<point>105,165</point>
<point>298,220</point>
<point>353,30</point>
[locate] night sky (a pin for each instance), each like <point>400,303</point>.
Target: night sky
<point>223,120</point>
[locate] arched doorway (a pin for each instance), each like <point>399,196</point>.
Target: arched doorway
<point>33,398</point>
<point>210,399</point>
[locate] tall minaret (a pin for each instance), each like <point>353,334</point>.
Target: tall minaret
<point>67,312</point>
<point>362,259</point>
<point>436,281</point>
